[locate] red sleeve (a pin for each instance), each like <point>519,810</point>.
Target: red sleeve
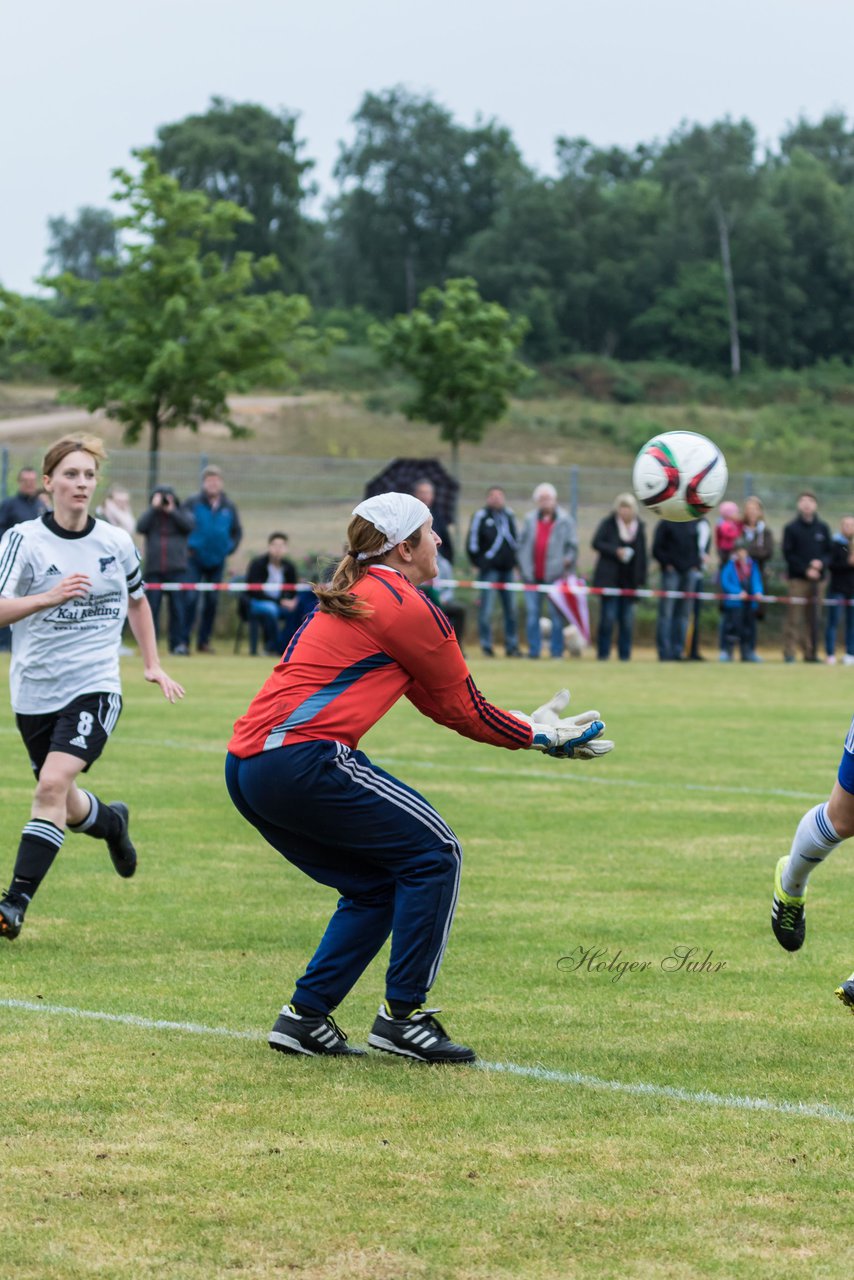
<point>422,641</point>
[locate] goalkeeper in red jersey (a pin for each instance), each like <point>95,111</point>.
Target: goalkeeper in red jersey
<point>295,772</point>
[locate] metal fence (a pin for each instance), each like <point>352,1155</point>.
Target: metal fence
<point>311,498</point>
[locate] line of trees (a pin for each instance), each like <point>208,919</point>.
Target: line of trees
<point>702,248</point>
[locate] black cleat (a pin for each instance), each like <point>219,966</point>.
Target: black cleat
<point>417,1036</point>
<point>845,993</point>
<point>788,917</point>
<point>121,849</point>
<point>315,1036</point>
<point>11,916</point>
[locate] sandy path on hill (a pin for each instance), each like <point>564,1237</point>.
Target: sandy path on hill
<point>67,419</point>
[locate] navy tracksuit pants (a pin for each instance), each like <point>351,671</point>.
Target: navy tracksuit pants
<point>392,858</point>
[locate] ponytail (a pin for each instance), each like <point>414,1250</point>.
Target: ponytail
<point>366,545</point>
<point>337,598</point>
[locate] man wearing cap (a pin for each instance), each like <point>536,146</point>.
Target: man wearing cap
<point>295,772</point>
<point>216,535</point>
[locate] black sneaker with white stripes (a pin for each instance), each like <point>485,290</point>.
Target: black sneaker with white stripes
<point>316,1036</point>
<point>419,1035</point>
<point>12,910</point>
<point>121,849</point>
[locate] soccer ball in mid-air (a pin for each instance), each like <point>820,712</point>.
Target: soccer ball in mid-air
<point>680,475</point>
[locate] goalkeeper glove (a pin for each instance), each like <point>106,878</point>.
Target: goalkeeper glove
<point>573,738</point>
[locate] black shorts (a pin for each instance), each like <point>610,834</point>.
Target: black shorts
<point>80,729</point>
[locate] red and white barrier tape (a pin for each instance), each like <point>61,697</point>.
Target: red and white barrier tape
<point>639,593</point>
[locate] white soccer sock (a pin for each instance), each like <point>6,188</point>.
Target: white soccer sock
<point>814,839</point>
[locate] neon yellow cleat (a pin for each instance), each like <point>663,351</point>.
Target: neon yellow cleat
<point>787,913</point>
<point>845,993</point>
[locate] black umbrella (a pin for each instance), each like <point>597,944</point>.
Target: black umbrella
<point>402,475</point>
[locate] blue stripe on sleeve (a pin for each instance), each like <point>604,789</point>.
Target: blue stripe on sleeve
<point>318,701</point>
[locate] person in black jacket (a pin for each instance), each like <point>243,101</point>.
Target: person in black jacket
<point>26,504</point>
<point>166,527</point>
<point>842,591</point>
<point>276,606</point>
<point>677,551</point>
<point>621,543</point>
<point>491,546</point>
<point>806,550</point>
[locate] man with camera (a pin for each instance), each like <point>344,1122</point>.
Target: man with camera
<point>166,527</point>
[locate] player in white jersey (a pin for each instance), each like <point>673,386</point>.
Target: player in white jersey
<point>819,832</point>
<point>67,583</point>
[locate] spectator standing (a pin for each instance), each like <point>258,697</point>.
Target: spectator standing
<point>548,549</point>
<point>425,491</point>
<point>275,606</point>
<point>727,531</point>
<point>492,542</point>
<point>621,543</point>
<point>842,589</point>
<point>758,537</point>
<point>698,581</point>
<point>166,527</point>
<point>216,535</point>
<point>26,504</point>
<point>116,509</point>
<point>740,579</point>
<point>806,551</point>
<point>676,549</point>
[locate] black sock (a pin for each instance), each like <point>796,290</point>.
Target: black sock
<point>102,822</point>
<point>400,1008</point>
<point>305,1012</point>
<point>41,841</point>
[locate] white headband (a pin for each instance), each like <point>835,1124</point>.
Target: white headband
<point>397,515</point>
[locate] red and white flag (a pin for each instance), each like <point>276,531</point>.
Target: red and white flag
<point>571,603</point>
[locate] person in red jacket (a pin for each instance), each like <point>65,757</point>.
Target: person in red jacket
<point>295,772</point>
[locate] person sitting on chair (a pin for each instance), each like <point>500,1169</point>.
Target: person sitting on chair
<point>275,605</point>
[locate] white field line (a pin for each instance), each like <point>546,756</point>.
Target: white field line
<point>559,774</point>
<point>671,1093</point>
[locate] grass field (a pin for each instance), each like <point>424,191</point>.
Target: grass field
<point>136,1150</point>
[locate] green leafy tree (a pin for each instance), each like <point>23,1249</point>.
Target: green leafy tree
<point>688,321</point>
<point>830,141</point>
<point>242,152</point>
<point>81,244</point>
<point>818,266</point>
<point>170,328</point>
<point>712,175</point>
<point>461,353</point>
<point>415,186</point>
<point>529,259</point>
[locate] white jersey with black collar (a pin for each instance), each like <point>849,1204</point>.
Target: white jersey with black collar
<point>72,648</point>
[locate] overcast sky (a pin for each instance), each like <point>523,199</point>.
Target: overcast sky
<point>83,83</point>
